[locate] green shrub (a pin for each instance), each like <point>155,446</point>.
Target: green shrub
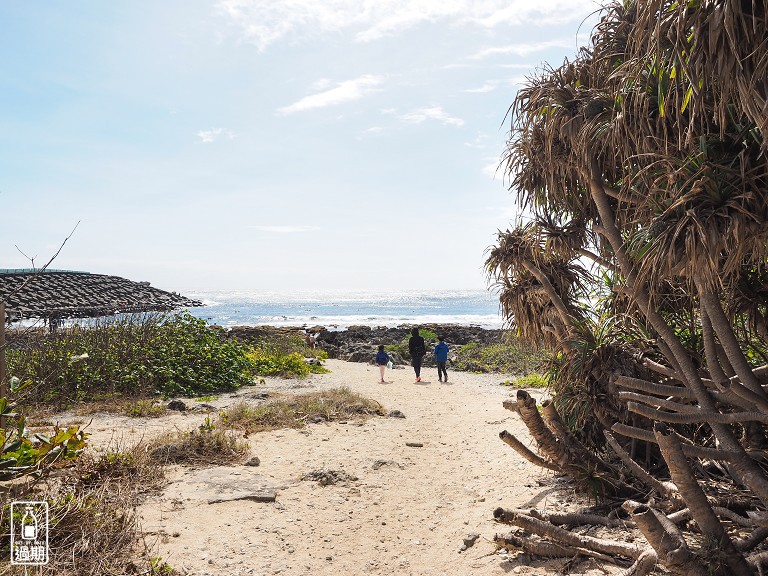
<point>138,355</point>
<point>285,357</point>
<point>510,358</point>
<point>23,454</point>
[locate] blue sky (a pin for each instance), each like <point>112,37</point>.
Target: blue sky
<point>266,144</point>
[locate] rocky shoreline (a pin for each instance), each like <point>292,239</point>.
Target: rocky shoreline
<point>359,343</point>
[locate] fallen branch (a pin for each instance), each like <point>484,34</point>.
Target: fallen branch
<point>545,549</point>
<point>523,450</point>
<point>564,537</point>
<point>645,563</point>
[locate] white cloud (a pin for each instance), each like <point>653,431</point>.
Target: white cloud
<point>208,136</point>
<point>487,87</point>
<point>433,113</point>
<point>478,142</point>
<point>346,91</point>
<point>285,229</point>
<point>265,22</point>
<point>523,49</point>
<point>493,169</point>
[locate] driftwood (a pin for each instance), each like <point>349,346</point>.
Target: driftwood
<point>566,537</point>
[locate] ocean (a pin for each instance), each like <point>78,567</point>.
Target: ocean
<point>339,310</point>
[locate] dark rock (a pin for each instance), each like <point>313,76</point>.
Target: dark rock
<point>469,541</point>
<point>177,405</point>
<point>204,407</point>
<point>253,461</point>
<point>396,414</point>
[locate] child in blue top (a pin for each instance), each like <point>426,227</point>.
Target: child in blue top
<point>441,357</point>
<point>382,359</point>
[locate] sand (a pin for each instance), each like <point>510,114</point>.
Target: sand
<point>402,510</point>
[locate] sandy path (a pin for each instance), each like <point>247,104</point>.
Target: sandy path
<point>408,515</point>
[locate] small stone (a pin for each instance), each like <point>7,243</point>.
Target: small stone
<point>253,461</point>
<point>415,444</point>
<point>177,405</point>
<point>396,414</point>
<point>470,539</point>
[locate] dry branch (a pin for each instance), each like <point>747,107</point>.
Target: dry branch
<point>666,489</point>
<point>523,450</point>
<point>564,537</point>
<point>654,388</point>
<point>697,417</point>
<point>668,542</point>
<point>697,502</point>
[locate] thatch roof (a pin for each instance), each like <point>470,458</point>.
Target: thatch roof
<point>60,294</point>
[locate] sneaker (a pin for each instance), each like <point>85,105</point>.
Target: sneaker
<point>418,379</point>
<point>439,379</point>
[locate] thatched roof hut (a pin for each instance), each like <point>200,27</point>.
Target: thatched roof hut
<point>55,295</point>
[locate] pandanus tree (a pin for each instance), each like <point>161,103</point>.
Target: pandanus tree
<point>641,171</point>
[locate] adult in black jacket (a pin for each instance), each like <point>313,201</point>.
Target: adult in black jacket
<point>417,348</point>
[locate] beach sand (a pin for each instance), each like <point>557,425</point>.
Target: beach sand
<point>403,510</point>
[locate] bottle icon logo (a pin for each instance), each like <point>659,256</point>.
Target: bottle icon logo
<point>28,524</point>
<point>29,533</point>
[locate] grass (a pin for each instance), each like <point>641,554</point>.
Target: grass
<point>294,411</point>
<point>208,445</point>
<point>93,523</point>
<point>530,380</point>
<point>146,408</point>
<point>506,357</point>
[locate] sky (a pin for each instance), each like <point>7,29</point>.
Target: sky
<point>266,144</point>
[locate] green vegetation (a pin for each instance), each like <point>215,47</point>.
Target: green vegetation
<point>284,356</point>
<point>147,355</point>
<point>145,408</point>
<point>295,411</point>
<point>530,380</point>
<point>139,355</point>
<point>92,507</point>
<point>510,358</point>
<point>22,454</point>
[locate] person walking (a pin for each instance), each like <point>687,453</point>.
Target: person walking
<point>441,357</point>
<point>417,349</point>
<point>382,359</point>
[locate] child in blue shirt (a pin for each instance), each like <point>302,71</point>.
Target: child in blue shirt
<point>382,359</point>
<point>441,357</point>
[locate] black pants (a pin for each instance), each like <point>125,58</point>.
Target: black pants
<point>441,371</point>
<point>416,363</point>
